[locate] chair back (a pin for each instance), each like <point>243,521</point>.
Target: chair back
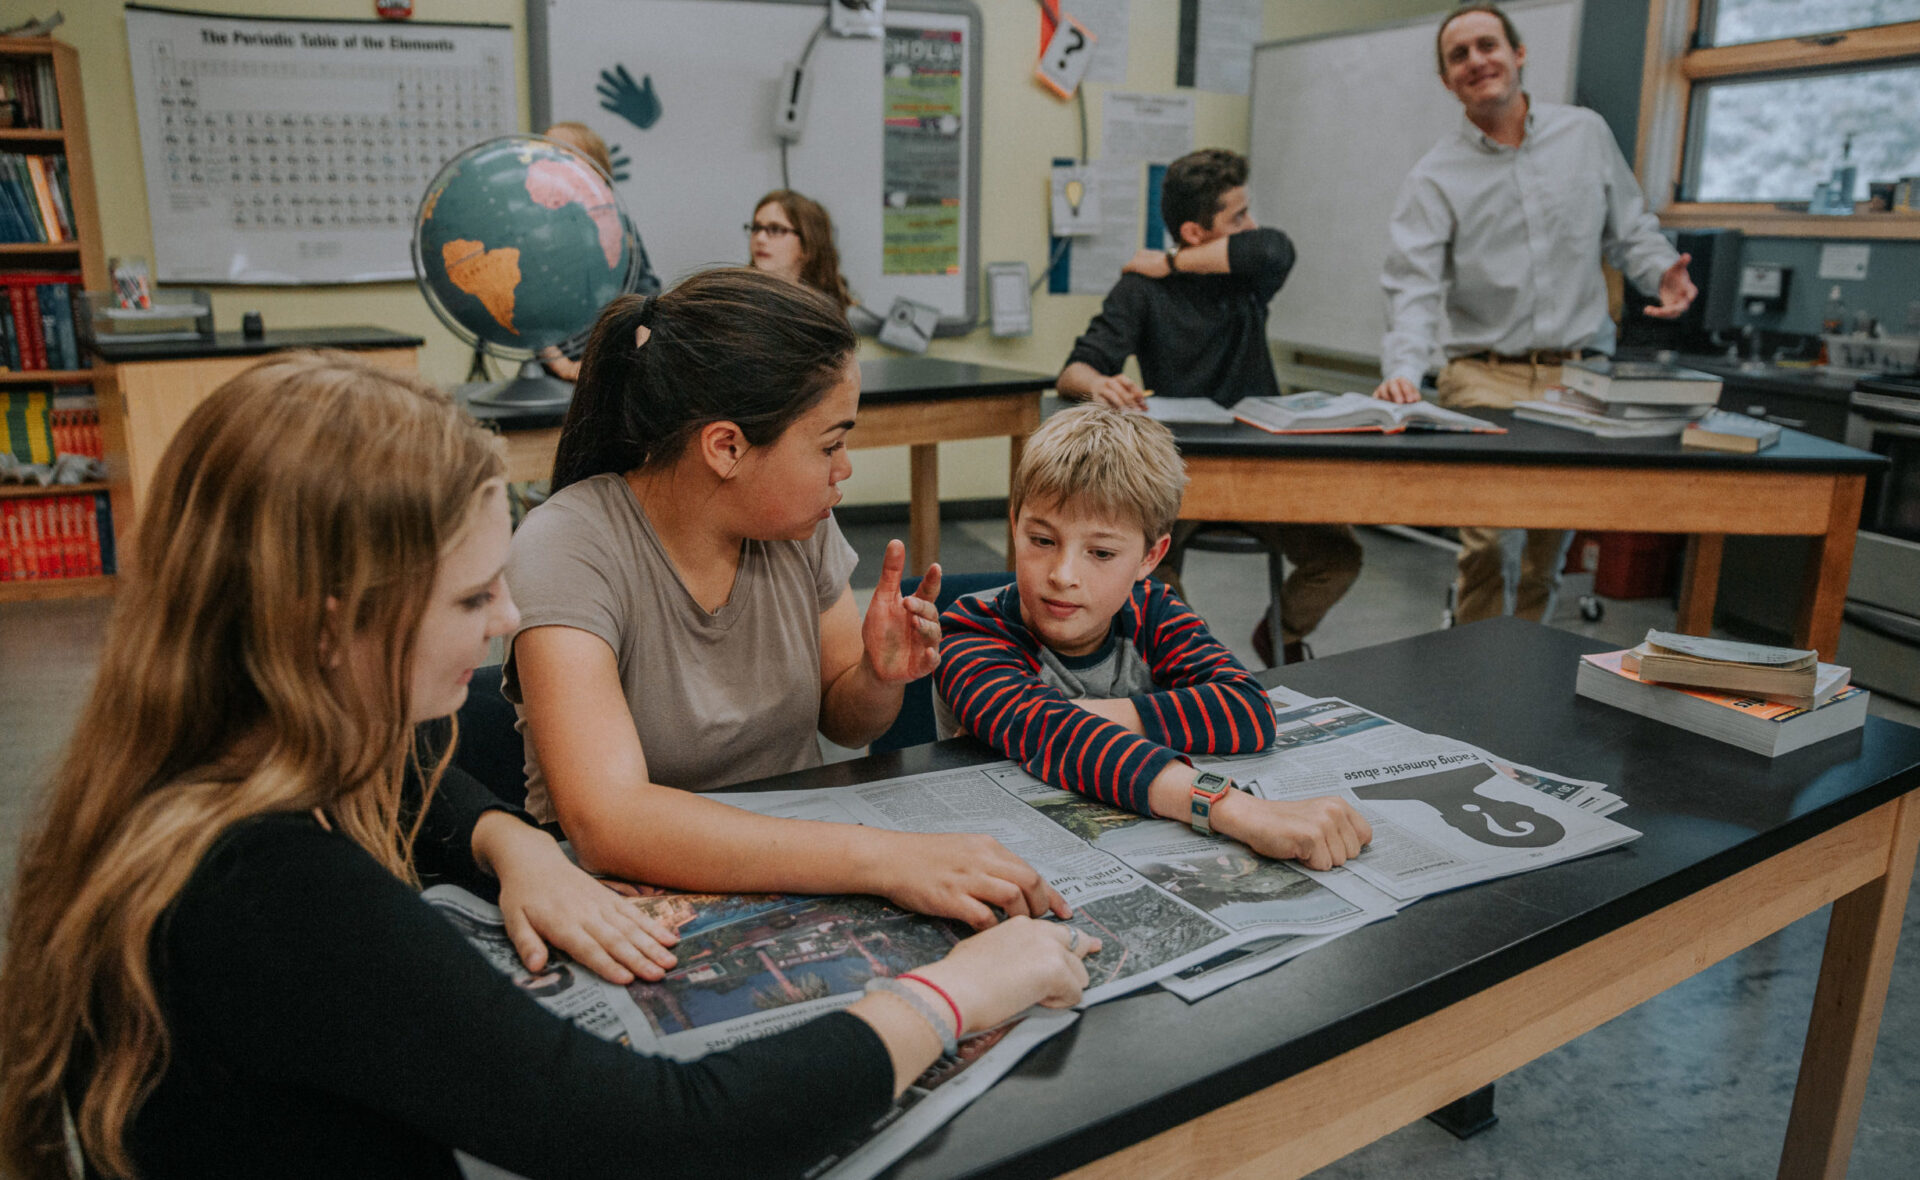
<point>915,724</point>
<point>490,747</point>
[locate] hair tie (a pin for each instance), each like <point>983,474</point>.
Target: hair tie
<point>643,322</point>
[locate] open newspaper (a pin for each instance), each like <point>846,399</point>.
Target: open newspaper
<point>1160,896</point>
<point>1444,813</point>
<point>756,964</point>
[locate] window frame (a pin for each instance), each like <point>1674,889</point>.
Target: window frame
<point>1675,65</point>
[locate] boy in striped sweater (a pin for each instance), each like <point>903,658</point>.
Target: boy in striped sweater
<point>1099,680</point>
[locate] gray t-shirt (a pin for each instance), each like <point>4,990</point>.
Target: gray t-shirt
<point>717,698</point>
<point>1115,670</point>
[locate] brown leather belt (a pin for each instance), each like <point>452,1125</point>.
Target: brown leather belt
<point>1539,356</point>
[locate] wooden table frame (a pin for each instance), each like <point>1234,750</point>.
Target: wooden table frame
<point>1708,504</point>
<point>1863,867</point>
<point>919,426</point>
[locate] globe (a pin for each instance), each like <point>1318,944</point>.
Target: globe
<point>518,244</point>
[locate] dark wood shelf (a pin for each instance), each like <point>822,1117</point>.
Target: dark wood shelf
<point>31,135</point>
<point>29,491</point>
<point>47,376</point>
<point>94,586</point>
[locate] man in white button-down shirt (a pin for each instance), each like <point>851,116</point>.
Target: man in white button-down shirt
<point>1501,229</point>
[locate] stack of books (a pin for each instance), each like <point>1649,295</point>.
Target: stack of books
<point>1624,399</point>
<point>1769,700</point>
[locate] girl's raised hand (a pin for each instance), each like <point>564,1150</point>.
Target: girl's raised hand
<point>901,634</point>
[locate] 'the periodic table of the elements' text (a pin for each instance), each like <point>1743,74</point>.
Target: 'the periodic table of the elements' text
<point>297,151</point>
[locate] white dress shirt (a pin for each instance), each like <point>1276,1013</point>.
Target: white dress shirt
<point>1509,241</point>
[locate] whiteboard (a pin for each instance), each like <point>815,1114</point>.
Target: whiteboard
<point>1338,121</point>
<point>293,151</point>
<point>714,67</point>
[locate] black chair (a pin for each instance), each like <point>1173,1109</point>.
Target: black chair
<point>490,747</point>
<point>915,725</point>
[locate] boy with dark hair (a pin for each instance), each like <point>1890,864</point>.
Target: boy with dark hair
<point>1098,679</point>
<point>1196,317</point>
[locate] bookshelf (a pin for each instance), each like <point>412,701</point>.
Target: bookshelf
<point>84,257</point>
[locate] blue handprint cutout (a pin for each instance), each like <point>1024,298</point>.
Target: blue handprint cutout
<point>637,104</point>
<point>621,165</point>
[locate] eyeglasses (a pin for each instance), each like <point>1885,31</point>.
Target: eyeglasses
<point>775,232</point>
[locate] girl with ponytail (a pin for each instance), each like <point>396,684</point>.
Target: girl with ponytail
<point>217,964</point>
<point>686,617</point>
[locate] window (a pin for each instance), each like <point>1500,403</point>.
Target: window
<point>1740,22</point>
<point>1746,105</point>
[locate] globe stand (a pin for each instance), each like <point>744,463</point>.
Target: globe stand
<point>532,389</point>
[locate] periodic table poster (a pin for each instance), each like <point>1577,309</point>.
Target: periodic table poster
<point>296,151</point>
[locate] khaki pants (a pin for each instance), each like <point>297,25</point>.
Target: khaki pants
<point>1503,570</point>
<point>1325,557</point>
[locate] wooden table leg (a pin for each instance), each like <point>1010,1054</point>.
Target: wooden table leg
<point>1823,594</point>
<point>1861,938</point>
<point>923,508</point>
<point>1700,584</point>
<point>1017,446</point>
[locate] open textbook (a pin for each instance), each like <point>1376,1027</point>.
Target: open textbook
<point>1346,413</point>
<point>755,964</point>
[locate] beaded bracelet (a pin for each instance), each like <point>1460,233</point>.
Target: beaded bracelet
<point>959,1021</point>
<point>927,1011</point>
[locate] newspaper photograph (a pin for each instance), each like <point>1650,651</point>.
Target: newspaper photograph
<point>756,964</point>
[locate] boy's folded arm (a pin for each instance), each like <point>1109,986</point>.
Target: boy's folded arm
<point>1208,702</point>
<point>996,697</point>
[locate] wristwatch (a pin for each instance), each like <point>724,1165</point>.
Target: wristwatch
<point>1173,268</point>
<point>1208,789</point>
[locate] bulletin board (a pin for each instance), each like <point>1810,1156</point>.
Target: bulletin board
<point>291,151</point>
<point>685,91</point>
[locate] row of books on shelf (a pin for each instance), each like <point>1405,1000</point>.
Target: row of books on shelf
<point>40,321</point>
<point>44,538</point>
<point>36,199</point>
<point>38,424</point>
<point>28,82</point>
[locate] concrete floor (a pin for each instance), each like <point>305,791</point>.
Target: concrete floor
<point>1696,1082</point>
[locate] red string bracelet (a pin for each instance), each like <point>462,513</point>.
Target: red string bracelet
<point>959,1022</point>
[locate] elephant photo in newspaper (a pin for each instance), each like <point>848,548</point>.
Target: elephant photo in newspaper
<point>1498,822</point>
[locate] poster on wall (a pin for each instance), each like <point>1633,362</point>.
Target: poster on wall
<point>921,158</point>
<point>286,151</point>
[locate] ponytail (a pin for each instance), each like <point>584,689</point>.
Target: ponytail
<point>730,345</point>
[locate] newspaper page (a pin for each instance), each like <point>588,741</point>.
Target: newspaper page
<point>1160,896</point>
<point>1582,793</point>
<point>756,964</point>
<point>1442,816</point>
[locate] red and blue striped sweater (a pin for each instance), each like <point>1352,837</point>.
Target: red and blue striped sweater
<point>992,678</point>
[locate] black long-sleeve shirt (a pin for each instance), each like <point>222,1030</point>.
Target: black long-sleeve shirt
<point>325,1021</point>
<point>1195,335</point>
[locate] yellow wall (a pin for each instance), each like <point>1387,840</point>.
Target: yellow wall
<point>1025,127</point>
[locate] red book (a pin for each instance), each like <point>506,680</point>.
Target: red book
<point>26,324</point>
<point>9,542</point>
<point>72,561</point>
<point>30,534</point>
<point>90,521</point>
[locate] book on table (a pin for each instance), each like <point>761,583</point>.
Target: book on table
<point>1351,413</point>
<point>1641,382</point>
<point>1739,434</point>
<point>1785,675</point>
<point>1570,417</point>
<point>1587,403</point>
<point>1750,722</point>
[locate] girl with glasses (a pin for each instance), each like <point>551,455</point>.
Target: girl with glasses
<point>792,236</point>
